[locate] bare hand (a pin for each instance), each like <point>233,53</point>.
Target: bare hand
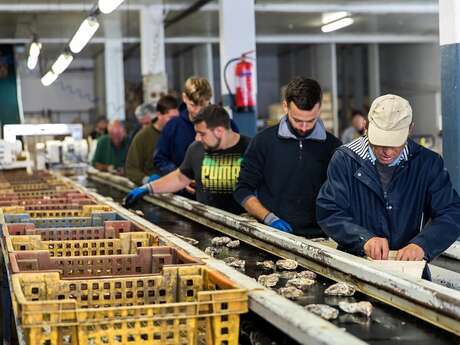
<point>377,248</point>
<point>411,252</point>
<point>191,187</point>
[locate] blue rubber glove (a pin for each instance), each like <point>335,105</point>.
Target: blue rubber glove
<point>277,223</point>
<point>135,195</point>
<point>153,177</point>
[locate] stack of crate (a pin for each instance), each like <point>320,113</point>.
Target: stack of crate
<point>82,274</point>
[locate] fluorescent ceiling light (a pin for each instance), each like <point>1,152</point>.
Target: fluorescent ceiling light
<point>108,6</point>
<point>32,62</point>
<point>330,17</point>
<point>49,78</point>
<point>337,25</point>
<point>84,33</point>
<point>34,49</point>
<point>62,62</point>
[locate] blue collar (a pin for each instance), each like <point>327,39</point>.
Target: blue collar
<point>318,133</point>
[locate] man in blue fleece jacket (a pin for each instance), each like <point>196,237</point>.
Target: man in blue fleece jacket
<point>285,165</point>
<point>385,192</point>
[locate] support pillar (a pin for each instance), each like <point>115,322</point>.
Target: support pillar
<point>237,31</point>
<point>373,58</point>
<point>153,66</point>
<point>203,64</point>
<point>449,25</point>
<point>114,71</point>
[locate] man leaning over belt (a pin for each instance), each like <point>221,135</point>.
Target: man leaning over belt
<point>385,192</point>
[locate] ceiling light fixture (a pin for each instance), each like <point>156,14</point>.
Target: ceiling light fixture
<point>108,6</point>
<point>84,33</point>
<point>330,17</point>
<point>62,62</point>
<point>49,78</point>
<point>337,25</point>
<point>32,62</point>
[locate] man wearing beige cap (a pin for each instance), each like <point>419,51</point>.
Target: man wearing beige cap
<point>385,192</point>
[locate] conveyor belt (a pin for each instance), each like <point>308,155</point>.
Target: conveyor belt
<point>386,326</point>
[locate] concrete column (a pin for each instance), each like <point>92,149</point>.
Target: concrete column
<point>373,58</point>
<point>153,66</point>
<point>203,64</point>
<point>99,84</point>
<point>114,72</point>
<point>237,31</point>
<point>449,38</point>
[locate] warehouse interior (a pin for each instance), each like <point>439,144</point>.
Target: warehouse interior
<point>231,232</point>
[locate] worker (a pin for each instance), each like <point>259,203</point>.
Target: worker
<point>213,161</point>
<point>111,149</point>
<point>100,128</point>
<point>385,192</point>
<point>139,166</point>
<point>357,128</point>
<point>179,133</point>
<point>144,115</point>
<point>285,165</point>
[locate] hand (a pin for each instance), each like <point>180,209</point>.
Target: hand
<point>281,225</point>
<point>135,195</point>
<point>411,252</point>
<point>191,187</point>
<point>377,248</point>
<point>153,177</point>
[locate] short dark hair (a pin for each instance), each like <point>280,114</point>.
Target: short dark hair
<point>166,103</point>
<point>304,92</point>
<point>357,113</point>
<point>100,119</point>
<point>214,116</point>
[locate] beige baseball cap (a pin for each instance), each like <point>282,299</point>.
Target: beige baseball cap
<point>390,118</point>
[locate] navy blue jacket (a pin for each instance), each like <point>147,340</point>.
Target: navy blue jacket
<point>174,140</point>
<point>285,172</point>
<point>420,206</point>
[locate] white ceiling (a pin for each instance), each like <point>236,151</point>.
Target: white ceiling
<point>276,21</point>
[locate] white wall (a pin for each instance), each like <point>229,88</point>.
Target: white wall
<point>413,71</point>
<point>71,93</point>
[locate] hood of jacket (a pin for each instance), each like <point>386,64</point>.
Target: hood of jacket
<point>318,133</point>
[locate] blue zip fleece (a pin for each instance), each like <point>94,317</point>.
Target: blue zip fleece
<point>419,207</point>
<point>286,173</point>
<point>174,140</point>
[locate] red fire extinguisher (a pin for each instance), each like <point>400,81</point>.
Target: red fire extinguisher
<point>244,86</point>
<point>244,98</point>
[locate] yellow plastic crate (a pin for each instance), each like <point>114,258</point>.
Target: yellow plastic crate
<point>181,306</point>
<point>126,243</point>
<point>57,211</point>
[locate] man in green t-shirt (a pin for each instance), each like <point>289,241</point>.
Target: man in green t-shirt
<point>139,163</point>
<point>111,149</point>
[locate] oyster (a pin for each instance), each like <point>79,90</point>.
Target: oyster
<point>190,240</point>
<point>233,244</point>
<point>267,265</point>
<point>306,274</point>
<point>323,310</point>
<point>359,307</point>
<point>235,262</point>
<point>288,274</point>
<point>290,292</point>
<point>211,251</point>
<point>301,283</point>
<point>220,241</point>
<point>286,264</point>
<point>269,280</point>
<point>340,289</point>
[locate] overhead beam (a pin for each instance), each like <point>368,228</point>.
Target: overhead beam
<point>316,7</point>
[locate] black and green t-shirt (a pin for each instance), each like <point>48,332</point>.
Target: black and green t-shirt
<point>215,173</point>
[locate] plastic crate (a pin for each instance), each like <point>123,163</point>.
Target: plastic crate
<point>110,229</point>
<point>126,243</point>
<point>181,306</point>
<point>147,260</point>
<point>56,211</point>
<point>37,193</point>
<point>53,195</point>
<point>95,219</point>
